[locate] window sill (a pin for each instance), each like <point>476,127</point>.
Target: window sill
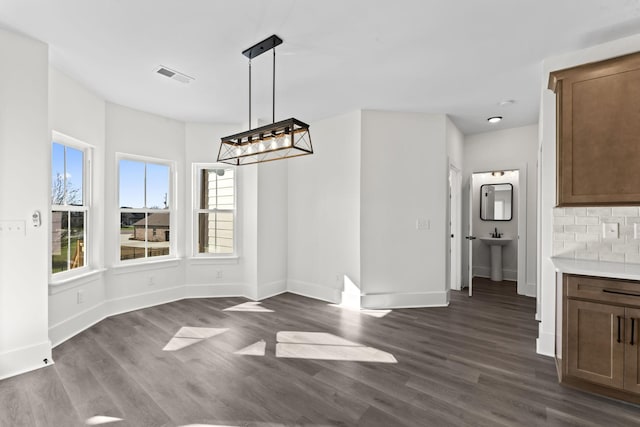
<point>145,265</point>
<point>211,260</point>
<point>61,285</point>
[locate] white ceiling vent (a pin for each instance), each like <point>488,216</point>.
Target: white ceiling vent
<point>173,74</point>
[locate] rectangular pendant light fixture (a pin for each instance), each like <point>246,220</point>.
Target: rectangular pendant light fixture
<point>279,140</point>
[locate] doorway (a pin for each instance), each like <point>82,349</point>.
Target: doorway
<point>501,256</point>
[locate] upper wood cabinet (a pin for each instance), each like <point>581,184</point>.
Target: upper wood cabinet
<point>598,132</point>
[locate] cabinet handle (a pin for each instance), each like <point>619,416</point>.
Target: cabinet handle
<point>633,332</point>
<point>631,294</point>
<point>619,319</point>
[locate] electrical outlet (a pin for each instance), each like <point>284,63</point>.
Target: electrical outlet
<point>422,224</point>
<point>80,296</point>
<point>152,281</point>
<point>219,274</point>
<point>12,228</point>
<point>610,231</point>
<point>636,231</point>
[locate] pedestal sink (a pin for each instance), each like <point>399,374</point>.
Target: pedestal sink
<point>496,244</point>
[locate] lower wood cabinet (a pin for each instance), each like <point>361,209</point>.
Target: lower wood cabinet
<point>600,336</point>
<point>631,352</point>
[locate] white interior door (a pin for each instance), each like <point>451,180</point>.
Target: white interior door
<point>455,213</point>
<point>470,237</point>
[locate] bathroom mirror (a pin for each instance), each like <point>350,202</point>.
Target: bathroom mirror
<point>496,202</point>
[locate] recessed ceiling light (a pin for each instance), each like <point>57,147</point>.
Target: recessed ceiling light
<point>494,119</point>
<point>506,102</point>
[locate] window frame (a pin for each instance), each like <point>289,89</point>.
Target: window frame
<point>196,186</point>
<point>86,207</point>
<point>172,211</point>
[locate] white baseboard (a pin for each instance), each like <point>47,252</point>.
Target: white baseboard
<point>147,299</point>
<point>218,290</point>
<point>482,271</point>
<point>25,359</point>
<point>313,290</point>
<point>68,328</point>
<point>268,290</point>
<point>530,290</point>
<point>405,300</point>
<point>546,344</point>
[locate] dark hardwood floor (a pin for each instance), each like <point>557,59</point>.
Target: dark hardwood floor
<point>472,363</point>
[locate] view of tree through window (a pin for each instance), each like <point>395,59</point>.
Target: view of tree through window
<point>68,208</point>
<point>145,221</point>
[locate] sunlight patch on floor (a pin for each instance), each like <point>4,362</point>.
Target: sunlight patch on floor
<point>325,346</point>
<point>319,338</point>
<point>101,419</point>
<point>351,300</point>
<point>373,313</point>
<point>255,349</point>
<point>251,306</point>
<point>189,335</point>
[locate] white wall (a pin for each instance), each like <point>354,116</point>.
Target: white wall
<point>482,251</point>
<point>455,144</point>
<point>79,113</point>
<point>134,132</point>
<point>324,210</point>
<point>24,188</point>
<point>201,275</point>
<point>404,178</point>
<point>546,333</point>
<point>272,228</point>
<point>506,149</point>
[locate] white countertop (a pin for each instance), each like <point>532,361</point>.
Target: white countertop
<point>614,270</point>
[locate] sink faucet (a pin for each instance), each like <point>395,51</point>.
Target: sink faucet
<point>495,234</point>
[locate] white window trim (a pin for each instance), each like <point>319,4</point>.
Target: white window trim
<point>197,257</point>
<point>173,220</point>
<point>87,197</point>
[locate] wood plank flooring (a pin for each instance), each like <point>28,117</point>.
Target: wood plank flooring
<point>472,363</point>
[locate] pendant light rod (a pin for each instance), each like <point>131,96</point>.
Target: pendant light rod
<point>273,86</point>
<point>257,50</point>
<point>249,94</point>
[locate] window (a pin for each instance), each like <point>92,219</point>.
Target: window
<point>146,211</point>
<point>215,210</point>
<point>69,204</point>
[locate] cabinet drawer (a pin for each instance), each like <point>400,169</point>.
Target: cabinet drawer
<point>621,292</point>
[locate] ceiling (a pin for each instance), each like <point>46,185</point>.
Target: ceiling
<point>459,57</point>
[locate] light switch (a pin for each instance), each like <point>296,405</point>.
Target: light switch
<point>610,231</point>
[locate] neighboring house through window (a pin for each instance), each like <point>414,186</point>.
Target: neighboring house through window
<point>146,208</point>
<point>70,200</point>
<point>215,210</point>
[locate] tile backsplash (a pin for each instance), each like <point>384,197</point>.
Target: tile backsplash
<point>577,234</point>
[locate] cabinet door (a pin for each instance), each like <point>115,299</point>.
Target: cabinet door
<point>631,352</point>
<point>595,342</point>
<point>598,128</point>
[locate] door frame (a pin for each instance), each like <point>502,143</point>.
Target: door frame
<point>455,227</point>
<point>522,287</point>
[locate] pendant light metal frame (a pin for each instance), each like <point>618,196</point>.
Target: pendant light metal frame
<point>276,141</point>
